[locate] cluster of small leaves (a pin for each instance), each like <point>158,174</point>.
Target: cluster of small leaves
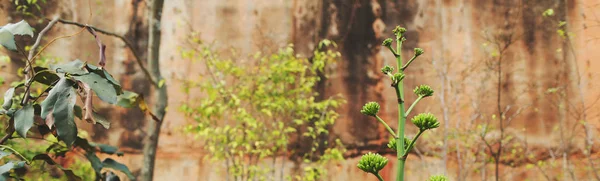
<point>252,109</point>
<point>28,7</point>
<point>53,109</point>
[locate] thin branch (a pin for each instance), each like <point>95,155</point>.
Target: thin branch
<point>7,136</point>
<point>138,58</point>
<point>412,143</point>
<point>386,126</point>
<point>29,65</point>
<point>408,63</point>
<point>16,153</point>
<point>39,38</point>
<point>393,51</point>
<point>413,105</point>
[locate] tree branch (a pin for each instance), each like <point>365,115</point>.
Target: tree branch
<point>7,136</point>
<point>138,58</point>
<point>30,57</point>
<point>160,96</point>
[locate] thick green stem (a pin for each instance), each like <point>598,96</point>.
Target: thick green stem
<point>386,126</point>
<point>379,177</point>
<point>413,105</point>
<point>402,116</point>
<point>412,143</point>
<point>400,176</point>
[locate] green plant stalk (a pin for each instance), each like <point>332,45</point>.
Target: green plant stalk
<point>379,177</point>
<point>412,143</point>
<point>16,153</point>
<point>413,105</point>
<point>386,126</point>
<point>402,116</point>
<point>408,63</point>
<point>393,51</point>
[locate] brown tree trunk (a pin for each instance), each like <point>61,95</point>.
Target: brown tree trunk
<point>160,94</point>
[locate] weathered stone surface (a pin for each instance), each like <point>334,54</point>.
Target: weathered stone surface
<point>458,37</point>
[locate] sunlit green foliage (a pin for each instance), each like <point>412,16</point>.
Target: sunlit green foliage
<point>251,110</point>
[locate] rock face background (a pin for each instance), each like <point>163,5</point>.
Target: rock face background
<point>549,87</point>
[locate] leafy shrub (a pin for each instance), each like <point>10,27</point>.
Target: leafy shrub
<point>252,110</point>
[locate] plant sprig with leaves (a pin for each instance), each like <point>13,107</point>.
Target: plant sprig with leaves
<point>373,163</point>
<point>53,109</point>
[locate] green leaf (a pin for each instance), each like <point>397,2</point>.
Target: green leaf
<point>45,158</point>
<point>78,112</point>
<point>104,148</point>
<point>127,99</point>
<point>69,173</point>
<point>8,95</point>
<point>64,118</point>
<point>110,163</point>
<point>161,83</point>
<point>107,76</point>
<point>44,76</point>
<point>24,120</point>
<point>8,32</point>
<point>9,166</point>
<point>75,67</point>
<point>20,28</point>
<point>101,86</point>
<point>101,120</point>
<point>63,85</point>
<point>95,161</point>
<point>4,153</point>
<point>20,164</point>
<point>6,167</point>
<point>548,12</point>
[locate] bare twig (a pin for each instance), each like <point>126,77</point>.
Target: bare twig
<point>40,35</point>
<point>7,136</point>
<point>138,58</point>
<point>31,56</point>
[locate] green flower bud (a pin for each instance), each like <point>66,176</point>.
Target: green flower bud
<point>387,69</point>
<point>397,78</point>
<point>438,178</point>
<point>370,109</point>
<point>423,90</point>
<point>387,42</point>
<point>425,121</point>
<point>418,51</point>
<point>392,144</point>
<point>399,30</point>
<point>372,163</point>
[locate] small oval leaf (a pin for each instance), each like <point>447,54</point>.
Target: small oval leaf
<point>8,95</point>
<point>24,120</point>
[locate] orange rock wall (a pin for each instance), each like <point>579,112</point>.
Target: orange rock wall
<point>460,38</point>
